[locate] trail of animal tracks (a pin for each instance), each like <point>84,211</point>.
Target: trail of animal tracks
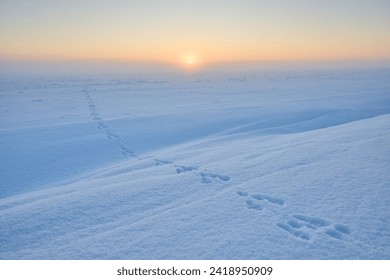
<point>278,166</point>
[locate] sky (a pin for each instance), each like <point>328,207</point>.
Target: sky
<point>195,32</point>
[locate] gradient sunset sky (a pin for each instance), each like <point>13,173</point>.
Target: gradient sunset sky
<point>180,31</point>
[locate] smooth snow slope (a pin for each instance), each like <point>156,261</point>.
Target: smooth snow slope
<point>276,166</point>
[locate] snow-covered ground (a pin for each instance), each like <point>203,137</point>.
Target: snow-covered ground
<point>281,165</point>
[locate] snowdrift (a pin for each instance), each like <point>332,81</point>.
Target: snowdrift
<point>270,166</point>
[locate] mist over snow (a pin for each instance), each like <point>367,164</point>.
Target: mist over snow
<point>153,69</point>
<point>226,162</point>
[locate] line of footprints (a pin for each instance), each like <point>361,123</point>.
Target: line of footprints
<point>205,177</point>
<point>105,128</point>
<point>298,225</point>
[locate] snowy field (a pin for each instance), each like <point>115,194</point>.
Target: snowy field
<point>279,165</point>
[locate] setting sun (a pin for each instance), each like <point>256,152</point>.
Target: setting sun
<point>189,60</point>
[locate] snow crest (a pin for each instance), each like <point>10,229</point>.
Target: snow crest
<point>261,167</point>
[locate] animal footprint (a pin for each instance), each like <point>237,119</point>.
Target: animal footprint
<point>162,162</point>
<point>101,125</point>
<point>112,136</point>
<point>126,151</point>
<point>270,199</point>
<point>292,230</point>
<point>182,169</point>
<point>305,227</point>
<point>338,231</point>
<point>253,205</point>
<point>253,200</point>
<point>207,177</point>
<point>242,193</point>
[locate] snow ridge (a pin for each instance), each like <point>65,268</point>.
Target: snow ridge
<point>252,171</point>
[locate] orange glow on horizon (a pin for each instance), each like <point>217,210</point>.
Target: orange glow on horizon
<point>134,31</point>
<point>189,61</point>
<point>203,52</point>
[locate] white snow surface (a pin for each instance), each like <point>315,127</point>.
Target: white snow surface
<point>282,165</point>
